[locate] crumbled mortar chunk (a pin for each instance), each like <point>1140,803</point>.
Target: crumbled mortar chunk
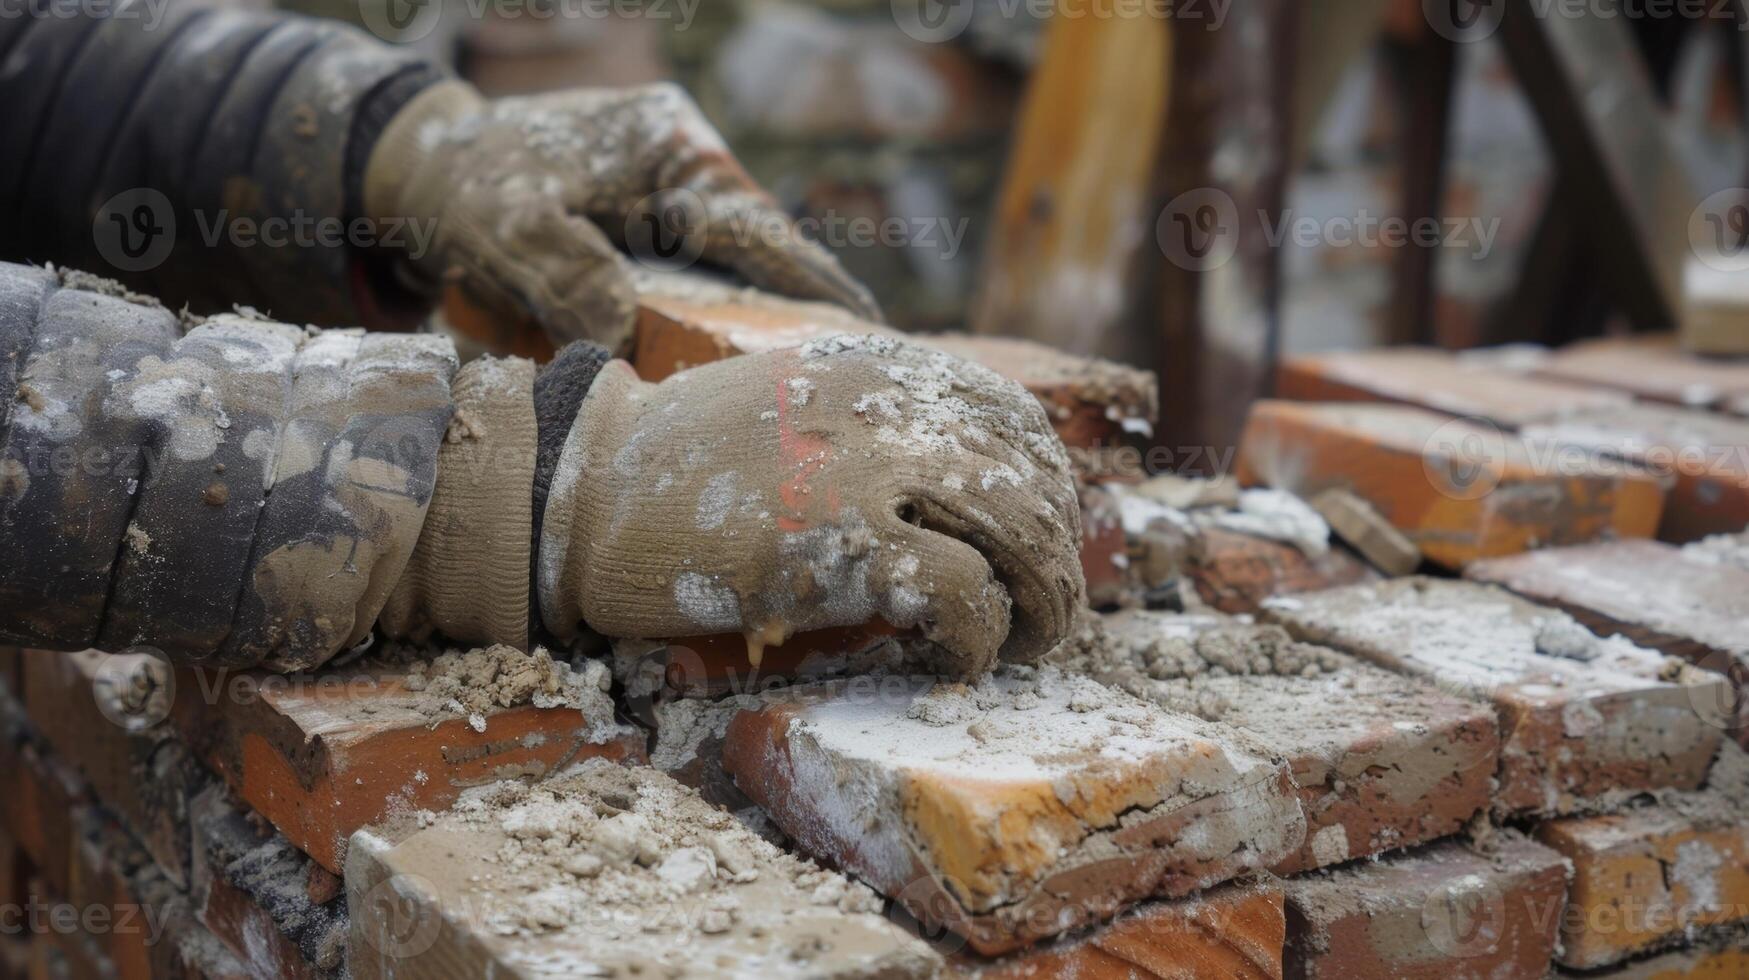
<point>474,684</point>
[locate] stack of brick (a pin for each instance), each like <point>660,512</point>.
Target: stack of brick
<point>216,805</point>
<point>1588,423</point>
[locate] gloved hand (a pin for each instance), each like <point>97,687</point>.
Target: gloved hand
<point>818,486</point>
<point>530,196</point>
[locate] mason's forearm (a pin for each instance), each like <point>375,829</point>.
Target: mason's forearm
<point>142,148</point>
<point>240,491</point>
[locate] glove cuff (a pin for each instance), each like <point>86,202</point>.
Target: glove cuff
<point>400,180</point>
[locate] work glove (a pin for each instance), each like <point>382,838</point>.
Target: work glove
<point>819,486</point>
<point>533,196</point>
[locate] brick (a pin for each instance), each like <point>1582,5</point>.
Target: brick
<point>1090,402</point>
<point>251,893</point>
<point>1134,552</point>
<point>1650,876</point>
<point>1437,381</point>
<point>1685,602</point>
<point>1573,731</point>
<point>1649,366</point>
<point>1235,573</point>
<point>689,747</point>
<point>320,756</point>
<point>1442,913</point>
<point>1367,532</point>
<point>1381,761</point>
<point>674,887</point>
<point>1017,809</point>
<point>1460,491</point>
<point>1234,932</point>
<point>685,321</point>
<point>1730,962</point>
<point>141,776</point>
<point>1702,454</point>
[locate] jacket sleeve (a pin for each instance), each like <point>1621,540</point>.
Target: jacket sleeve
<point>209,157</point>
<point>243,492</point>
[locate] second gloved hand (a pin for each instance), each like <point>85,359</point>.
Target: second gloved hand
<point>828,485</point>
<point>532,196</point>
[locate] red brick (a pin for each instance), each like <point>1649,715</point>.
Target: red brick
<point>704,666</point>
<point>1443,913</point>
<point>1649,366</point>
<point>322,755</point>
<point>1381,761</point>
<point>1672,599</point>
<point>1437,381</point>
<point>1650,876</point>
<point>1234,932</point>
<point>1572,730</point>
<point>1460,491</point>
<point>685,321</point>
<point>1015,810</point>
<point>1705,456</point>
<point>1235,573</point>
<point>250,892</point>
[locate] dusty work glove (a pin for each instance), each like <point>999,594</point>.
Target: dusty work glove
<point>530,196</point>
<point>827,485</point>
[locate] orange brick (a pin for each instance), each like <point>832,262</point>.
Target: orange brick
<point>1685,602</point>
<point>1441,913</point>
<point>1705,963</point>
<point>1460,491</point>
<point>322,755</point>
<point>1647,877</point>
<point>1649,366</point>
<point>1382,761</point>
<point>1437,381</point>
<point>1573,731</point>
<point>1704,455</point>
<point>699,666</point>
<point>1234,932</point>
<point>1015,811</point>
<point>684,321</point>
